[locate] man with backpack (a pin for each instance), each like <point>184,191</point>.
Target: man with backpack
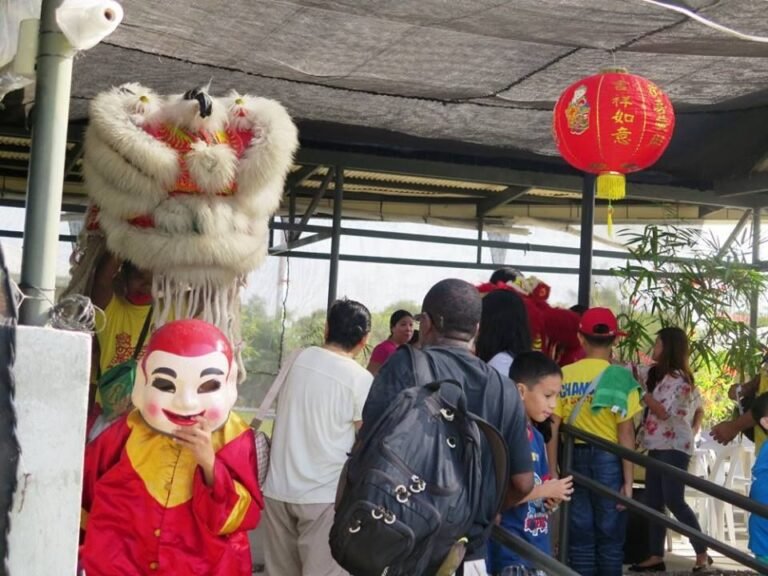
<point>448,324</point>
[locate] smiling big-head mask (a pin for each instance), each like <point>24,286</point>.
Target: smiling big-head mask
<point>187,372</point>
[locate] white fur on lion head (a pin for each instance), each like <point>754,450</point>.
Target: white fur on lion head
<point>139,101</point>
<point>186,184</point>
<point>269,155</point>
<point>185,110</point>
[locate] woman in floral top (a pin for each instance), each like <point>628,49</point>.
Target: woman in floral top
<point>671,400</point>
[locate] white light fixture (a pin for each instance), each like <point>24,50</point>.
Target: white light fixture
<point>85,23</point>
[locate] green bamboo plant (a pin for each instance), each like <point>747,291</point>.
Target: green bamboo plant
<point>683,277</point>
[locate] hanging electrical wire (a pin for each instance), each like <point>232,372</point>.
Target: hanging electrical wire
<point>706,22</point>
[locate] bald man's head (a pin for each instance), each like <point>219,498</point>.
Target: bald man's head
<point>454,307</point>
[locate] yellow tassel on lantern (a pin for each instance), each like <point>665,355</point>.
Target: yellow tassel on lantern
<point>611,186</point>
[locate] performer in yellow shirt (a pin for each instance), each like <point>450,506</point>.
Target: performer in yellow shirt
<point>124,293</point>
<point>597,525</point>
<point>725,432</point>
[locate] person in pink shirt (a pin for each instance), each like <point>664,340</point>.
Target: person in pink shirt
<point>400,332</point>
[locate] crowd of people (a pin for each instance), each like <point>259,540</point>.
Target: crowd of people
<point>486,343</point>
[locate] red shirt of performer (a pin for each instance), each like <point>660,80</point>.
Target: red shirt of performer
<point>171,487</point>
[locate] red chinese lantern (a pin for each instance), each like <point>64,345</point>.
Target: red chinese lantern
<point>611,124</point>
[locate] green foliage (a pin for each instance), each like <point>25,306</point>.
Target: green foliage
<point>306,331</point>
<point>260,351</point>
<point>682,277</point>
<point>713,385</point>
<point>265,346</point>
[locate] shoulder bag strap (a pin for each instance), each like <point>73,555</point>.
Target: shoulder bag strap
<point>274,389</point>
<point>143,334</point>
<point>580,403</point>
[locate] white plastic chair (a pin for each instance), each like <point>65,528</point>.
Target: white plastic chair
<point>732,470</point>
<point>702,463</point>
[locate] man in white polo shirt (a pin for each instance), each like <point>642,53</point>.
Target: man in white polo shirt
<point>319,411</point>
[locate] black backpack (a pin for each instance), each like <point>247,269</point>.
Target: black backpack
<point>413,489</point>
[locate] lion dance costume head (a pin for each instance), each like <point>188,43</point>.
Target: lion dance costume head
<point>554,331</point>
<point>183,186</point>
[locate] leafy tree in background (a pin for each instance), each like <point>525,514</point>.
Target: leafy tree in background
<point>265,346</point>
<point>261,350</point>
<point>682,277</point>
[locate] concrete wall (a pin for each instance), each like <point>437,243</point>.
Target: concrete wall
<point>51,373</point>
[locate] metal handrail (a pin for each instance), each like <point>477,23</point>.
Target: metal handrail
<point>656,516</point>
<point>700,484</point>
<point>528,551</point>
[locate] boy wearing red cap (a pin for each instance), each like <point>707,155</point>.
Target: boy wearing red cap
<point>600,399</point>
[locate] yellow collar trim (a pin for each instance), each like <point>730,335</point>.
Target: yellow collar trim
<point>167,469</point>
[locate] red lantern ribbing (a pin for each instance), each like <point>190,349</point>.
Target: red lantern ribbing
<point>611,124</point>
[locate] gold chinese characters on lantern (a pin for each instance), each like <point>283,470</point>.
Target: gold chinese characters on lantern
<point>611,124</point>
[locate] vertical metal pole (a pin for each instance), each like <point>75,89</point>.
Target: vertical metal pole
<point>480,241</point>
<point>292,234</point>
<point>565,507</point>
<point>754,305</point>
<point>46,169</point>
<point>338,198</point>
<point>587,231</point>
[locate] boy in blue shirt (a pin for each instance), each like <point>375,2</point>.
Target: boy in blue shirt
<point>538,378</point>
<point>758,526</point>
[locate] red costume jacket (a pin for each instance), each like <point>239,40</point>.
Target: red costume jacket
<point>147,509</point>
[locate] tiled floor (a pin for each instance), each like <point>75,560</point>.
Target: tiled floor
<point>682,557</point>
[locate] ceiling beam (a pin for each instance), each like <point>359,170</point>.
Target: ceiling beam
<point>752,184</point>
<point>734,233</point>
<point>298,243</point>
<point>392,198</point>
<point>312,208</point>
<point>508,176</point>
<point>436,189</point>
<point>499,199</point>
<point>72,158</point>
<point>298,177</point>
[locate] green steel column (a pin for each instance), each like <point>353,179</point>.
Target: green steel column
<point>46,168</point>
<point>587,231</point>
<point>338,198</point>
<point>754,305</point>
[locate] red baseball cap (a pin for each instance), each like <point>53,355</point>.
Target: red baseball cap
<point>599,322</point>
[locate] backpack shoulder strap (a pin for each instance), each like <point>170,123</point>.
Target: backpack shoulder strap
<point>500,454</point>
<point>422,371</point>
<point>580,403</point>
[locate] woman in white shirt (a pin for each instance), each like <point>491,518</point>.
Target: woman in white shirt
<point>671,400</point>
